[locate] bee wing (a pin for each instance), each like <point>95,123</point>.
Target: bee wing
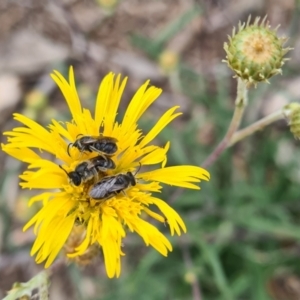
<point>97,161</point>
<point>102,188</point>
<point>117,187</point>
<point>91,140</point>
<point>108,139</point>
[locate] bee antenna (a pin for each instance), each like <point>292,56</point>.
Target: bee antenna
<point>64,170</point>
<point>138,169</point>
<point>68,149</point>
<point>78,135</point>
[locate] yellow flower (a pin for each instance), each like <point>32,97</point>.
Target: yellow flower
<point>70,209</point>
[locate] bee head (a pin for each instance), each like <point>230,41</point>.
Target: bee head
<point>131,178</point>
<point>74,177</point>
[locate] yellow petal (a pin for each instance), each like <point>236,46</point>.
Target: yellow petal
<point>177,175</point>
<point>173,218</point>
<point>103,98</point>
<point>113,105</point>
<point>68,89</point>
<point>25,154</point>
<point>160,125</point>
<point>63,233</point>
<point>142,99</point>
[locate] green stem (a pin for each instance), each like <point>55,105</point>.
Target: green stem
<point>240,104</point>
<point>259,125</point>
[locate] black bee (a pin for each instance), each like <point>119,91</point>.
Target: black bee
<point>100,144</point>
<point>109,186</point>
<point>89,169</point>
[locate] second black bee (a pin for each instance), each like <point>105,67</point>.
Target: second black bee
<point>104,145</point>
<point>88,170</point>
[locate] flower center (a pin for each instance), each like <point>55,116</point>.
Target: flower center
<point>257,48</point>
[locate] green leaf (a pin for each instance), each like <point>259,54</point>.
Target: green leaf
<point>39,283</point>
<point>213,260</point>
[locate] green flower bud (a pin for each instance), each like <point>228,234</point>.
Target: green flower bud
<point>292,114</point>
<point>255,53</point>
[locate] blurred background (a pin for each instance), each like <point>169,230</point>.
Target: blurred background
<point>243,239</point>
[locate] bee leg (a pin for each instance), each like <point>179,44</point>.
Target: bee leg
<point>124,193</point>
<point>91,148</point>
<point>83,200</point>
<point>102,170</point>
<point>68,149</point>
<point>166,222</point>
<point>95,175</point>
<point>78,221</point>
<point>80,154</point>
<point>108,197</point>
<point>103,156</point>
<point>78,135</point>
<point>112,195</point>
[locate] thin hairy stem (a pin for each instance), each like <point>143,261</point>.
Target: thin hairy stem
<point>259,125</point>
<point>240,104</point>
